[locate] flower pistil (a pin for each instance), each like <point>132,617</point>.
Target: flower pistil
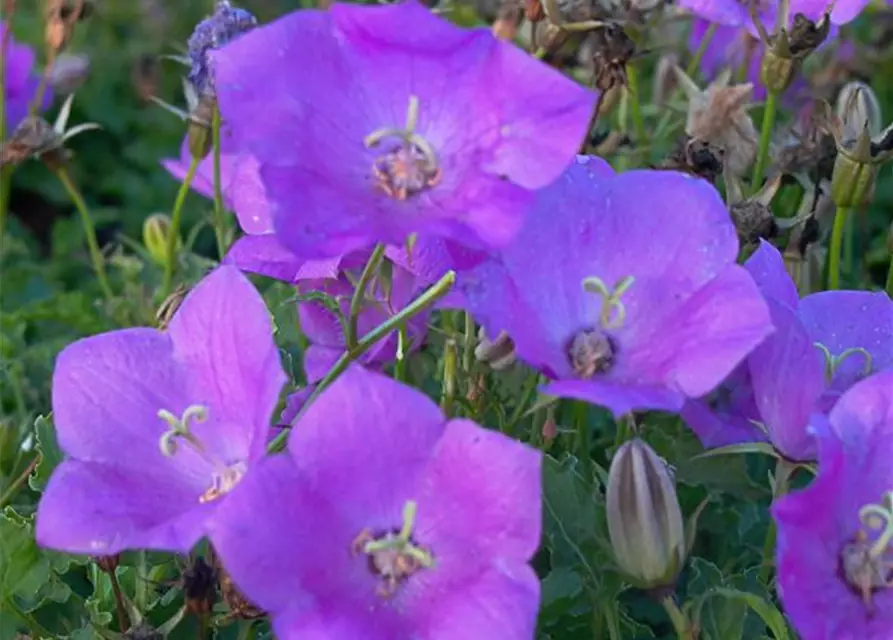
<point>394,556</point>
<point>832,362</point>
<point>408,167</point>
<point>224,476</point>
<point>867,563</point>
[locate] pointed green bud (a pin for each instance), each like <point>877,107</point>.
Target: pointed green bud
<point>156,230</point>
<point>852,181</point>
<point>644,518</point>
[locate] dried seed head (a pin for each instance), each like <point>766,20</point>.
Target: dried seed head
<point>806,36</point>
<point>34,136</point>
<point>695,157</point>
<point>718,115</point>
<point>199,586</point>
<point>612,50</point>
<point>754,221</point>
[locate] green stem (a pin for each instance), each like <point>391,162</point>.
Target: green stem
<point>695,63</point>
<point>219,212</point>
<point>89,231</point>
<point>417,306</point>
<point>176,216</point>
<point>526,393</point>
<point>359,294</point>
<point>402,354</point>
<point>448,392</point>
<point>583,444</point>
<point>836,243</point>
<point>632,78</point>
<point>11,490</point>
<point>765,136</point>
<point>470,339</point>
<point>680,622</point>
<point>784,471</point>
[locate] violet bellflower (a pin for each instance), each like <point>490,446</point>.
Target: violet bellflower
<point>822,345</point>
<point>372,123</point>
<point>20,81</point>
<point>158,425</point>
<point>325,333</point>
<point>736,13</point>
<point>386,520</point>
<point>835,538</point>
<point>623,289</point>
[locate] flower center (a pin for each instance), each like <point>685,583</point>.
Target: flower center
<point>225,476</point>
<point>867,562</point>
<point>410,165</point>
<point>832,362</point>
<point>591,351</point>
<point>393,556</point>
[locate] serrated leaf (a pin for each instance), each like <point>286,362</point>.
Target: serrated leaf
<point>21,562</point>
<point>50,453</point>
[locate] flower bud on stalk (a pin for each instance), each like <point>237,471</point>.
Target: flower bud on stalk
<point>644,518</point>
<point>156,230</point>
<point>786,49</point>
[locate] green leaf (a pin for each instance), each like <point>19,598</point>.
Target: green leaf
<point>22,565</point>
<point>766,610</point>
<point>50,453</point>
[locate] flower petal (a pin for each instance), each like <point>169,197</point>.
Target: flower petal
<point>224,335</point>
<point>101,509</point>
<point>619,397</point>
<point>788,378</point>
<point>481,496</point>
<point>766,265</point>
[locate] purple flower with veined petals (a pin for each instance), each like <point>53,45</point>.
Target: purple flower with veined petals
<point>385,520</point>
<point>20,82</point>
<point>823,344</point>
<point>375,122</point>
<point>158,425</point>
<point>624,289</point>
<point>835,538</point>
<point>323,329</point>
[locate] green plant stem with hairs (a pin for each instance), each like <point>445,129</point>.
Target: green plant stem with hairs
<point>89,231</point>
<point>425,301</point>
<point>759,167</point>
<point>220,231</point>
<point>176,217</point>
<point>359,294</point>
<point>840,218</point>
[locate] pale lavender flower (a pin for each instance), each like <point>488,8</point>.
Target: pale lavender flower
<point>157,426</point>
<point>835,538</point>
<point>386,520</point>
<point>623,289</point>
<point>372,123</point>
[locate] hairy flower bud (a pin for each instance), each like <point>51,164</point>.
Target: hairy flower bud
<point>644,518</point>
<point>156,230</point>
<point>857,107</point>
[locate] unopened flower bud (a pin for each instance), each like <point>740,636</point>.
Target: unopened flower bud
<point>644,518</point>
<point>858,107</point>
<point>156,231</point>
<point>69,72</point>
<point>499,353</point>
<point>198,127</point>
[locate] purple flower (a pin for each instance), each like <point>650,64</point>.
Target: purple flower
<point>384,520</point>
<point>20,81</point>
<point>624,289</point>
<point>374,122</point>
<point>227,22</point>
<point>736,13</point>
<point>822,345</point>
<point>157,425</point>
<point>835,538</point>
<point>323,328</point>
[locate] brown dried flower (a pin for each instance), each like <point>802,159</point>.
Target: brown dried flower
<point>718,115</point>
